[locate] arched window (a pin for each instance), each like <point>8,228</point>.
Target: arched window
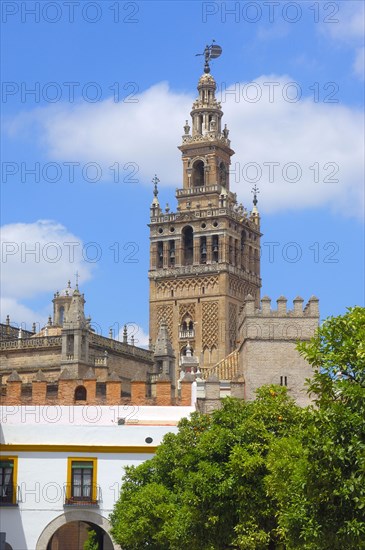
<point>222,174</point>
<point>257,262</point>
<point>80,393</point>
<point>61,315</point>
<point>215,248</point>
<point>160,254</point>
<point>70,344</point>
<point>198,174</point>
<point>203,250</point>
<point>171,253</point>
<point>188,245</point>
<point>243,252</point>
<point>187,327</point>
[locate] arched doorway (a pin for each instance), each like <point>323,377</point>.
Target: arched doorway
<point>74,534</point>
<point>80,393</point>
<point>70,530</point>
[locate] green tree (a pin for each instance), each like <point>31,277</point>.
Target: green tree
<point>91,542</point>
<point>265,474</point>
<point>205,487</point>
<point>318,474</point>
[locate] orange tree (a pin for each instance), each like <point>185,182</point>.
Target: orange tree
<point>205,487</point>
<point>317,475</point>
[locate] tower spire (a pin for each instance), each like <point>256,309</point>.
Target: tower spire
<point>204,258</point>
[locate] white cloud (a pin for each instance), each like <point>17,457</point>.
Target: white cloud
<point>145,133</point>
<point>359,63</point>
<point>37,258</point>
<point>349,30</point>
<point>350,25</point>
<point>318,135</point>
<point>20,314</point>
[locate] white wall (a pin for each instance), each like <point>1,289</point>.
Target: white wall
<point>41,481</point>
<point>42,475</point>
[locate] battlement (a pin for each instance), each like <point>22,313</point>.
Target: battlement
<point>264,323</point>
<point>87,390</point>
<point>311,309</point>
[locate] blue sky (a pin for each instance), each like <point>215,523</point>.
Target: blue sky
<point>113,84</point>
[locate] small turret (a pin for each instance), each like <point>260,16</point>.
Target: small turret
<point>75,336</point>
<point>155,206</point>
<point>75,317</point>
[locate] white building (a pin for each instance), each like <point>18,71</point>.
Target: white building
<point>61,468</point>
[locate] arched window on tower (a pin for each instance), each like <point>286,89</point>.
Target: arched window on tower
<point>198,174</point>
<point>188,245</point>
<point>257,262</point>
<point>171,253</point>
<point>231,251</point>
<point>215,248</point>
<point>222,174</point>
<point>61,315</point>
<point>243,251</point>
<point>203,250</point>
<point>199,124</point>
<point>186,327</point>
<point>160,254</point>
<point>70,346</point>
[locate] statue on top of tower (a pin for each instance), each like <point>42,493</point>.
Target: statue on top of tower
<point>210,52</point>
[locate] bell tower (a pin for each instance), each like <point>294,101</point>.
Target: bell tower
<point>205,257</point>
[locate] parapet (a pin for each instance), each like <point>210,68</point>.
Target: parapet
<point>281,323</point>
<point>68,390</point>
<point>311,309</point>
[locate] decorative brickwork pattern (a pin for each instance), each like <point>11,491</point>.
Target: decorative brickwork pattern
<point>210,324</point>
<point>165,315</point>
<point>187,285</point>
<point>237,287</point>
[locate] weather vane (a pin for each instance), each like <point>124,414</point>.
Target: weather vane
<point>77,276</point>
<point>211,52</point>
<point>155,181</point>
<point>255,190</point>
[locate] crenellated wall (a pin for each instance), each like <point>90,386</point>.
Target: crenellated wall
<point>267,344</point>
<point>66,391</point>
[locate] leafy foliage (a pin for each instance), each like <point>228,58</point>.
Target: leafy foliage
<point>264,474</point>
<point>318,476</point>
<point>92,541</point>
<point>204,489</point>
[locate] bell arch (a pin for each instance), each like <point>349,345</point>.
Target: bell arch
<point>222,174</point>
<point>188,244</point>
<point>198,173</point>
